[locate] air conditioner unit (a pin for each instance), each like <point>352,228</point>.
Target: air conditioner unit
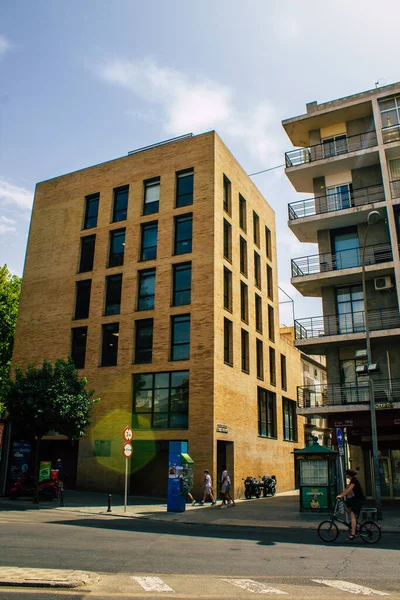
<point>383,283</point>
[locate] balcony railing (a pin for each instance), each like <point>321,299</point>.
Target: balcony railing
<point>391,134</point>
<point>344,259</point>
<point>395,188</point>
<point>330,148</point>
<point>332,394</point>
<point>354,322</point>
<point>334,202</point>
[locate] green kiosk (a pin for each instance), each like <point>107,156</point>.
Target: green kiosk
<point>316,469</point>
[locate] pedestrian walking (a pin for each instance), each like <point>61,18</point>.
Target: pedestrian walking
<point>208,492</point>
<point>226,489</point>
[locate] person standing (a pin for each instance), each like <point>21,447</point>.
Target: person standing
<point>207,488</point>
<point>224,483</point>
<point>354,500</point>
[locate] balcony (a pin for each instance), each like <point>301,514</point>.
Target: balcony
<point>333,395</point>
<point>391,134</point>
<point>395,188</point>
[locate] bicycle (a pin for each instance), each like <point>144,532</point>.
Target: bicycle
<point>329,530</point>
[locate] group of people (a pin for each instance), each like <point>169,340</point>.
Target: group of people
<point>225,490</point>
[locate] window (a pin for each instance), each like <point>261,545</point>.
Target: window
<point>289,420</point>
<point>228,354</point>
<point>256,229</point>
<point>227,289</point>
<point>120,208</point>
<point>151,196</point>
<point>180,337</point>
<point>184,188</point>
<point>91,211</point>
<point>259,326</point>
<point>270,283</point>
<point>268,243</point>
<point>345,248</point>
<point>146,289</point>
<point>182,284</point>
<point>143,341</point>
<point>283,372</point>
<point>113,295</point>
<point>87,253</point>
<point>245,352</point>
<point>390,116</point>
<point>183,234</point>
<point>109,351</point>
<point>272,367</point>
<point>78,346</point>
<point>148,249</point>
<point>244,302</point>
<point>117,248</point>
<point>266,413</point>
<point>82,299</point>
<point>242,213</point>
<point>161,400</point>
<point>243,256</point>
<point>102,448</point>
<point>335,145</point>
<point>227,241</point>
<point>227,195</point>
<point>260,359</point>
<point>257,270</point>
<point>271,324</point>
<point>350,309</point>
<point>339,197</point>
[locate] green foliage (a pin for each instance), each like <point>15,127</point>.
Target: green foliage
<point>10,288</point>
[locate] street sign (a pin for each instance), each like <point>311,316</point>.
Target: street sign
<point>128,434</point>
<point>341,451</point>
<point>127,450</point>
<point>339,437</point>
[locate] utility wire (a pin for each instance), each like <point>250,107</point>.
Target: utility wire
<point>265,170</point>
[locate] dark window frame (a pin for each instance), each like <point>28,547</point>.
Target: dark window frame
<point>290,433</point>
<point>152,250</point>
<point>271,323</point>
<point>116,259</point>
<point>244,302</point>
<point>227,192</point>
<point>258,310</point>
<point>267,417</point>
<point>120,214</point>
<point>78,351</point>
<point>82,286</point>
<point>227,233</point>
<point>175,320</point>
<point>283,372</point>
<point>270,283</point>
<point>110,360</point>
<point>177,221</point>
<point>242,213</point>
<point>228,342</point>
<point>272,366</point>
<point>110,280</point>
<point>141,297</point>
<point>91,198</point>
<point>84,243</point>
<point>268,243</point>
<point>227,288</point>
<point>260,359</point>
<point>245,351</point>
<point>256,229</point>
<point>180,175</point>
<point>257,270</point>
<point>148,209</point>
<point>140,348</point>
<point>176,268</point>
<point>243,256</point>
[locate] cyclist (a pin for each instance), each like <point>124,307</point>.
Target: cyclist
<point>354,500</point>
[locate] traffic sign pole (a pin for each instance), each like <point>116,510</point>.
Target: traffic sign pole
<point>126,484</point>
<point>127,450</point>
<point>339,439</point>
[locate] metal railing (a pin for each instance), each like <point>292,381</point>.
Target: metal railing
<point>334,202</point>
<point>395,188</point>
<point>328,149</point>
<point>353,322</point>
<point>344,259</point>
<point>391,134</point>
<point>316,396</point>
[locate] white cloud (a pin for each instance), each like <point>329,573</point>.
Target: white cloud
<point>6,225</point>
<point>4,45</point>
<point>14,195</point>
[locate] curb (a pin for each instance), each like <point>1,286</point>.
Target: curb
<point>36,578</point>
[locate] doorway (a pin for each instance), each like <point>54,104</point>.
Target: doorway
<point>225,458</point>
<point>389,473</point>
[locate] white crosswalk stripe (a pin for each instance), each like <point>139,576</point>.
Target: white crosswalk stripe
<point>153,584</point>
<point>352,588</point>
<point>254,586</point>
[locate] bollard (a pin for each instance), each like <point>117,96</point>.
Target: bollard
<point>61,493</point>
<point>109,503</point>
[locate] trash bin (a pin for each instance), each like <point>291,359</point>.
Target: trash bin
<point>369,514</point>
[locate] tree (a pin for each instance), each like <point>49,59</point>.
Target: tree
<point>49,399</point>
<point>10,287</point>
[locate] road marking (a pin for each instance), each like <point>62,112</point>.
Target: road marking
<point>152,584</point>
<point>352,588</point>
<point>254,586</point>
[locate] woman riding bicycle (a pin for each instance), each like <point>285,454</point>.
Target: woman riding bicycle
<point>354,500</point>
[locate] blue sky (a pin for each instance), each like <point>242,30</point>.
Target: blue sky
<point>83,82</point>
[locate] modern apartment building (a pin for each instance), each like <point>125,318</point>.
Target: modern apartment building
<point>157,273</point>
<point>348,160</point>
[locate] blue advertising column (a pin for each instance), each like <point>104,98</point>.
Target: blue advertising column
<point>176,502</point>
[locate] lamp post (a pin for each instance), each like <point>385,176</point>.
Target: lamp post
<point>372,219</point>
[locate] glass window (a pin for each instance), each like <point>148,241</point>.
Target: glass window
<point>91,211</point>
<point>146,289</point>
<point>283,372</point>
<point>313,472</point>
<point>245,352</point>
<point>183,234</point>
<point>335,145</point>
<point>259,325</point>
<point>257,270</point>
<point>268,243</point>
<point>113,294</point>
<point>180,337</point>
<point>120,208</point>
<point>266,413</point>
<point>227,195</point>
<point>227,240</point>
<point>228,351</point>
<point>110,345</point>
<point>339,197</point>
<point>184,188</point>
<point>390,116</point>
<point>270,283</point>
<point>143,341</point>
<point>350,309</point>
<point>260,359</point>
<point>78,346</point>
<point>242,213</point>
<point>227,289</point>
<point>256,229</point>
<point>289,420</point>
<point>244,302</point>
<point>151,196</point>
<point>182,284</point>
<point>161,400</point>
<point>117,248</point>
<point>82,299</point>
<point>148,250</point>
<point>272,367</point>
<point>271,323</point>
<point>87,253</point>
<point>346,248</point>
<point>243,256</point>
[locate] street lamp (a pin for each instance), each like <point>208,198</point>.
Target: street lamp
<point>372,219</point>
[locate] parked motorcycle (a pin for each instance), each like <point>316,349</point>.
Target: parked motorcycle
<point>24,486</point>
<point>269,485</point>
<point>251,487</point>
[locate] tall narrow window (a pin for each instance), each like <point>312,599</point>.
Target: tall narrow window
<point>148,248</point>
<point>183,234</point>
<point>146,289</point>
<point>184,188</point>
<point>180,337</point>
<point>266,413</point>
<point>117,248</point>
<point>227,240</point>
<point>271,324</point>
<point>143,341</point>
<point>350,309</point>
<point>259,320</point>
<point>227,195</point>
<point>78,346</point>
<point>243,256</point>
<point>82,299</point>
<point>245,352</point>
<point>151,196</point>
<point>113,295</point>
<point>242,213</point>
<point>91,211</point>
<point>109,351</point>
<point>87,253</point>
<point>260,359</point>
<point>289,420</point>
<point>120,209</point>
<point>228,350</point>
<point>227,289</point>
<point>268,243</point>
<point>244,302</point>
<point>182,284</point>
<point>256,229</point>
<point>283,372</point>
<point>270,283</point>
<point>272,367</point>
<point>257,270</point>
